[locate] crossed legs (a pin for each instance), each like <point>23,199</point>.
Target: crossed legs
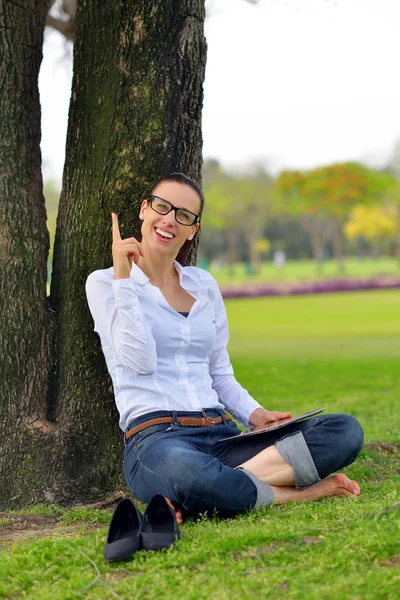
<point>240,475</point>
<point>298,467</point>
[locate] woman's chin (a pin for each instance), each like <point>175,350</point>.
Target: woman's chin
<point>162,249</point>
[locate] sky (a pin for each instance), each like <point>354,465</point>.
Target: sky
<point>289,84</point>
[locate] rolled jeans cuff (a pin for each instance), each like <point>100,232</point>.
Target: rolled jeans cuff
<point>265,495</point>
<point>293,448</point>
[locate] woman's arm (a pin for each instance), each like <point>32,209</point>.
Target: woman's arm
<point>119,321</point>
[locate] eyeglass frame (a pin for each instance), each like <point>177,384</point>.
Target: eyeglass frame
<point>174,208</point>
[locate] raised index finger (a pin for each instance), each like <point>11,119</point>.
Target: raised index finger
<point>115,229</point>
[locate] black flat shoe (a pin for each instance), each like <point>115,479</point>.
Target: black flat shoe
<point>124,535</point>
<point>160,529</point>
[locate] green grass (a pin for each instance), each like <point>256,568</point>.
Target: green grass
<point>340,352</point>
<point>304,270</point>
<point>341,325</point>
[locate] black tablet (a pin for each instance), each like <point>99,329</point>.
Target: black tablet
<point>275,425</point>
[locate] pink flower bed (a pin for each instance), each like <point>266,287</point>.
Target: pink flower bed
<point>313,287</point>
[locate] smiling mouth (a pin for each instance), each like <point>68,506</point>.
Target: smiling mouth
<point>163,235</point>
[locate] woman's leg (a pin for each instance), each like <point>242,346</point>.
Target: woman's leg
<point>204,479</point>
<point>319,447</point>
<point>191,478</point>
<point>269,466</point>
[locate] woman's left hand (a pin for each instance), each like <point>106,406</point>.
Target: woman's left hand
<point>262,417</point>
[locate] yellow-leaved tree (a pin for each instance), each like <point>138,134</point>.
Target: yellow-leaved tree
<point>378,225</point>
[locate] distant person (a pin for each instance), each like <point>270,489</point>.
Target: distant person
<point>279,259</point>
<point>164,332</point>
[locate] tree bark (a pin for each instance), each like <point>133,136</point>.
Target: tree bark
<point>135,115</point>
<point>25,324</point>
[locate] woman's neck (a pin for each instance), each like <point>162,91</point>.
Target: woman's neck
<point>162,273</point>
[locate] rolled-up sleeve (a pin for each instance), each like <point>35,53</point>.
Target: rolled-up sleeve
<point>120,323</point>
<point>231,394</point>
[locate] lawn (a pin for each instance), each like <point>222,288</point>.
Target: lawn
<point>305,270</point>
<point>337,351</point>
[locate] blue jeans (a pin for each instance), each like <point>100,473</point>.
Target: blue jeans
<point>193,468</point>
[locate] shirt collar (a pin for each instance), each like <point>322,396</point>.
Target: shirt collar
<point>185,279</point>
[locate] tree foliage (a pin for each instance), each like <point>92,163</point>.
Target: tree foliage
<point>239,204</point>
<point>372,223</point>
<point>324,198</point>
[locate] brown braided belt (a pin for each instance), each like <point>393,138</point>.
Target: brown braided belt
<point>185,421</point>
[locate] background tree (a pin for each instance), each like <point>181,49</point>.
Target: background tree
<point>337,189</point>
<point>377,225</point>
<point>223,213</point>
<point>255,194</point>
<point>135,114</point>
<point>238,205</point>
<point>325,196</point>
<point>290,187</point>
<point>62,17</point>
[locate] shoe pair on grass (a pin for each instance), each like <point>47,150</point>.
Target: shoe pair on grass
<point>130,531</point>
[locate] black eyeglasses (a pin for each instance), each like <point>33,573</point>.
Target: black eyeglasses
<point>163,207</point>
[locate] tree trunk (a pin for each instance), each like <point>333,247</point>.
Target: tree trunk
<point>25,325</point>
<point>338,248</point>
<point>135,115</point>
<point>312,225</point>
<point>232,250</point>
<point>317,249</point>
<point>253,236</point>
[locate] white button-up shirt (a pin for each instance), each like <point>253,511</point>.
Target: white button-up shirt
<point>157,358</point>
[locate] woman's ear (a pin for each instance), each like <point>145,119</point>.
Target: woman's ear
<point>143,207</point>
<point>194,231</point>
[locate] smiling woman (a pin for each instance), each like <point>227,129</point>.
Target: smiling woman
<point>164,334</point>
<point>179,223</point>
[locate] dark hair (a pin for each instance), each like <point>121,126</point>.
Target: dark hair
<point>186,248</point>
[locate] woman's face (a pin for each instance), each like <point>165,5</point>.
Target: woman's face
<point>155,225</point>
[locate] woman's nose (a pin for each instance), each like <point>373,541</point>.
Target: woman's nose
<point>169,218</point>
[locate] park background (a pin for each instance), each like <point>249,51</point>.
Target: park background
<point>300,134</point>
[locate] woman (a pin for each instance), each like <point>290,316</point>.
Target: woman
<point>164,333</point>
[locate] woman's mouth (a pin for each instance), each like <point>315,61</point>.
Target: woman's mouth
<point>164,236</point>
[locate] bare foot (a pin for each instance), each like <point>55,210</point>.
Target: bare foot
<point>334,485</point>
<point>177,510</point>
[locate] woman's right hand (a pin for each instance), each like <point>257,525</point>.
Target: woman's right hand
<point>123,251</point>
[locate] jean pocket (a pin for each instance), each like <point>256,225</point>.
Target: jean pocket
<point>144,436</point>
<point>232,426</point>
